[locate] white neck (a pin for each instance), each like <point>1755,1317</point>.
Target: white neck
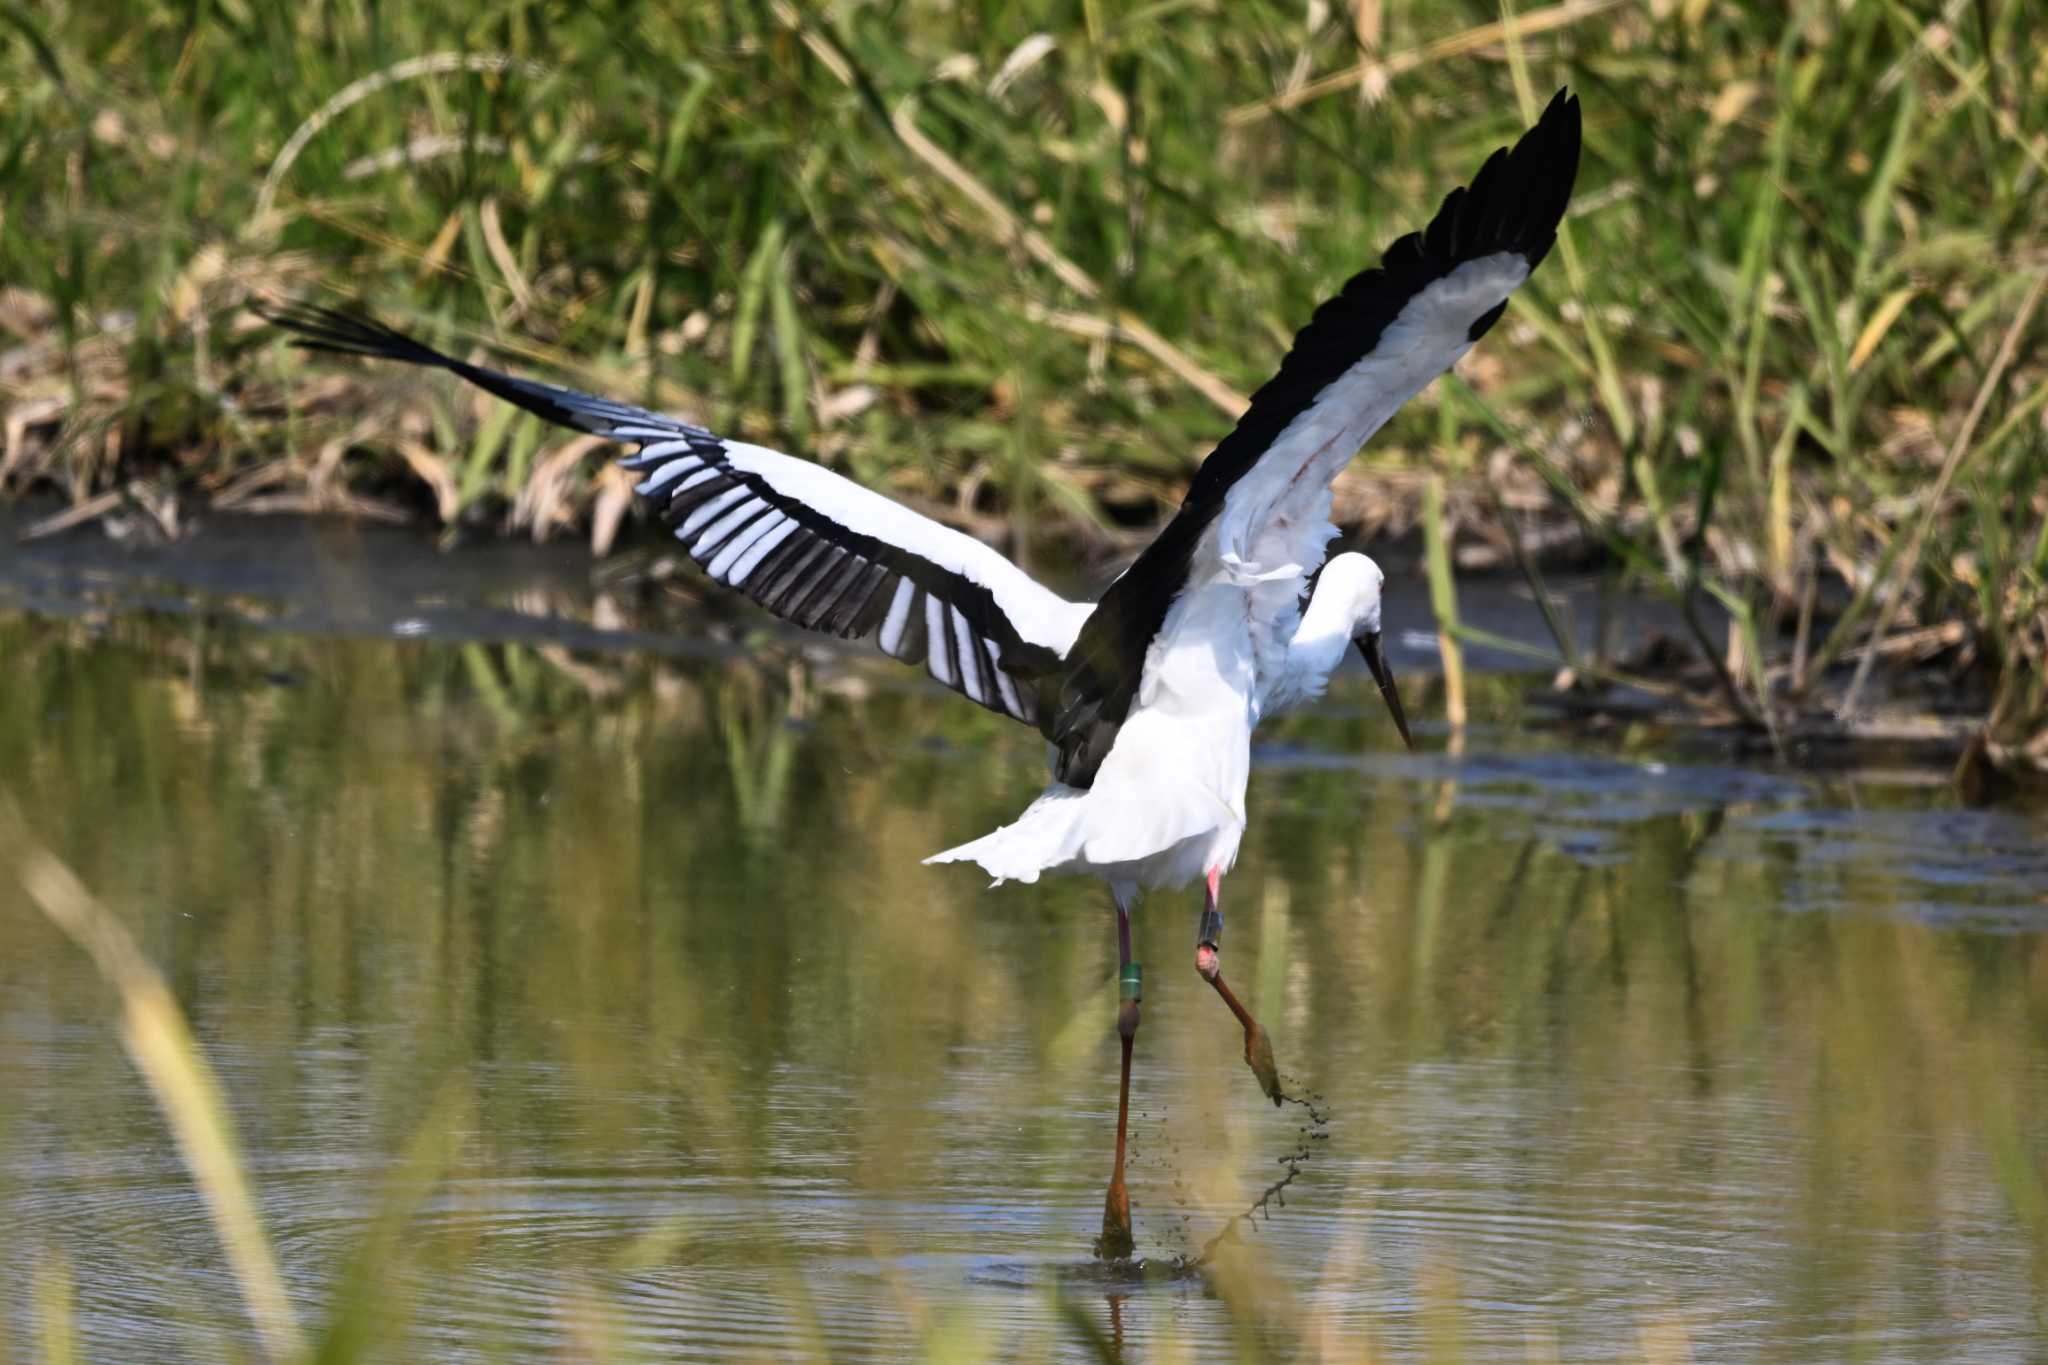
<point>1313,654</point>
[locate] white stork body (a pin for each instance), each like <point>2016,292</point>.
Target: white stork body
<point>1148,697</point>
<point>1167,805</point>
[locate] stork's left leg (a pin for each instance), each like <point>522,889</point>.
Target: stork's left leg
<point>1258,1048</point>
<point>1115,1243</point>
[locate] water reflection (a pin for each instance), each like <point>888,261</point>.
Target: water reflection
<point>1627,1055</point>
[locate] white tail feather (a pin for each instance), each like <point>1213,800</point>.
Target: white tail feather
<point>1150,834</point>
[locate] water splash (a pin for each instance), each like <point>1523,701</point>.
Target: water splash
<point>1136,1270</point>
<point>1315,1129</point>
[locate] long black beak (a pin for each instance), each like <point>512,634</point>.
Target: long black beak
<point>1376,660</point>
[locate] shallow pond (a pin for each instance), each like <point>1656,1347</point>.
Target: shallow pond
<point>1626,1051</point>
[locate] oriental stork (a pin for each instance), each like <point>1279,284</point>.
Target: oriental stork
<point>1148,696</point>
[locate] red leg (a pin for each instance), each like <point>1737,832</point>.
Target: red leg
<point>1258,1048</point>
<point>1116,1243</point>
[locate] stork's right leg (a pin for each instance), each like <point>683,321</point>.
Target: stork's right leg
<point>1115,1243</point>
<point>1258,1048</point>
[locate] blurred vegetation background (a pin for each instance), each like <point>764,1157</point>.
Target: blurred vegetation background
<point>1019,264</point>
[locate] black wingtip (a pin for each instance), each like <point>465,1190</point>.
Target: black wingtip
<point>1519,197</point>
<point>1517,200</point>
<point>315,327</point>
<point>1559,121</point>
<point>344,332</point>
<point>1550,151</point>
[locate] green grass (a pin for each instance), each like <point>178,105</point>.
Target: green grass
<point>1014,264</point>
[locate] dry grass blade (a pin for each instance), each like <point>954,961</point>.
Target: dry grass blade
<point>44,409</point>
<point>1127,328</point>
<point>1368,27</point>
<point>161,1044</point>
<point>1471,40</point>
<point>419,151</point>
<point>433,64</point>
<point>1227,400</point>
<point>1881,319</point>
<point>503,256</point>
<point>434,472</point>
<point>614,499</point>
<point>77,515</point>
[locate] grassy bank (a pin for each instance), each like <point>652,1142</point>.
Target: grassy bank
<point>1020,268</point>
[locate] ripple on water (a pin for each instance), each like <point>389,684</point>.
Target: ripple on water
<point>1984,869</point>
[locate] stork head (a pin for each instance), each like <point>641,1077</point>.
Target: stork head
<point>1352,583</point>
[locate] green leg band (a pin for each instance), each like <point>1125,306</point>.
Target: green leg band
<point>1128,982</point>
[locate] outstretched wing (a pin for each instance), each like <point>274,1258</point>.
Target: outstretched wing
<point>1365,352</point>
<point>816,549</point>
